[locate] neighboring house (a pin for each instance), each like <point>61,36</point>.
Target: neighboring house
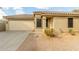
<point>44,19</point>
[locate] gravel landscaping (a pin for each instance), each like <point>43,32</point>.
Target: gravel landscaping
<point>40,42</point>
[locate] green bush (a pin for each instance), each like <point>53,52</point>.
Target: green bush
<point>71,31</point>
<point>50,32</point>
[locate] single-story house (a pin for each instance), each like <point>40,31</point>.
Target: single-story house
<point>19,22</point>
<point>44,19</point>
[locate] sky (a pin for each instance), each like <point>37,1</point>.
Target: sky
<point>6,11</point>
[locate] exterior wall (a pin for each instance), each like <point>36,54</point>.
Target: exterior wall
<point>35,23</point>
<point>76,23</point>
<point>20,25</point>
<point>44,22</point>
<point>51,23</point>
<point>35,19</point>
<point>60,23</point>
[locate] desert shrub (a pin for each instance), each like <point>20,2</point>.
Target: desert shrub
<point>47,31</point>
<point>50,32</point>
<point>71,31</point>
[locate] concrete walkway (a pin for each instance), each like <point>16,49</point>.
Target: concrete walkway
<point>10,41</point>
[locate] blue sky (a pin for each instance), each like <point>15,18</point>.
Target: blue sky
<point>29,10</point>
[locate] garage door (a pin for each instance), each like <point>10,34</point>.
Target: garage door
<point>21,25</point>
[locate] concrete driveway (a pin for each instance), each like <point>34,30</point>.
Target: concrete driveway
<point>11,40</point>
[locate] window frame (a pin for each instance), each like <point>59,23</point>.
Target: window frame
<point>70,22</point>
<point>38,25</point>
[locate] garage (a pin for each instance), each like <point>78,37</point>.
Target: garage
<point>21,25</point>
<point>20,22</point>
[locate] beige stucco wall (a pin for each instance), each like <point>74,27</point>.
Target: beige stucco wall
<point>20,25</point>
<point>60,23</point>
<point>35,23</point>
<point>35,19</point>
<point>51,22</point>
<point>76,23</point>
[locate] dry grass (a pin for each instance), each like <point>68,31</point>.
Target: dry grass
<point>39,42</point>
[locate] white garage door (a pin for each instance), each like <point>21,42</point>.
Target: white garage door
<point>21,25</point>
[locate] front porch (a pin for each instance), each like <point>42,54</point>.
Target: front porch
<point>43,22</point>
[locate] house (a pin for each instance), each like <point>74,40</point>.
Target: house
<point>44,19</point>
<point>19,22</point>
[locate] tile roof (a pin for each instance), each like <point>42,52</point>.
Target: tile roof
<point>62,13</point>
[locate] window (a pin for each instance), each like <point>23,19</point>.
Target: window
<point>70,22</point>
<point>39,23</point>
<point>46,22</point>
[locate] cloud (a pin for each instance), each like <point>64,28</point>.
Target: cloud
<point>42,7</point>
<point>49,9</point>
<point>18,10</point>
<point>2,13</point>
<point>5,8</point>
